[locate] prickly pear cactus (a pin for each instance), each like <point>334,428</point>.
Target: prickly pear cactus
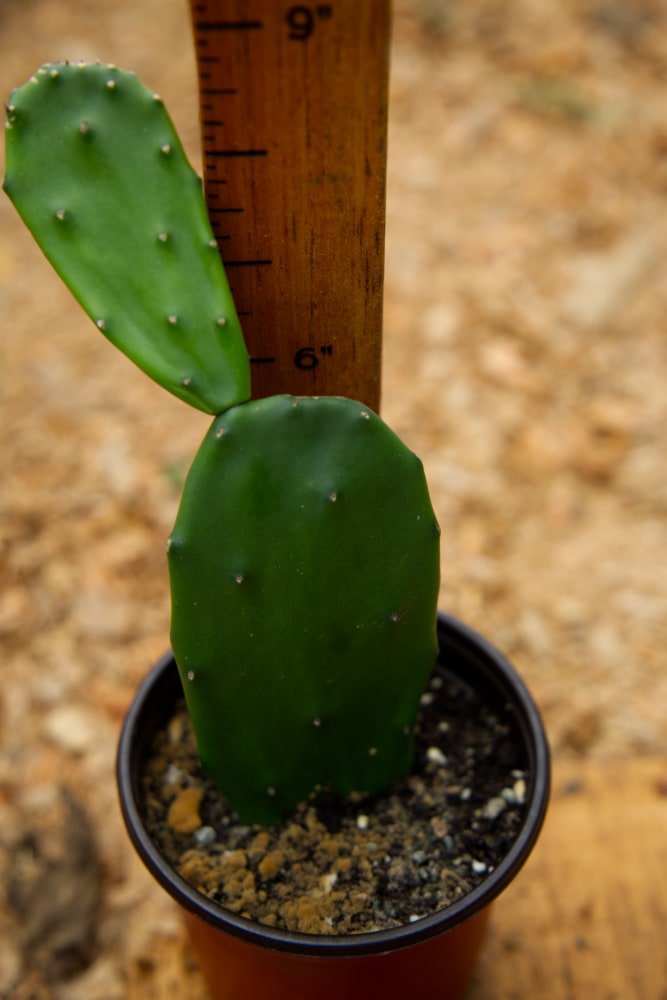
<point>304,561</point>
<point>308,640</point>
<point>98,174</point>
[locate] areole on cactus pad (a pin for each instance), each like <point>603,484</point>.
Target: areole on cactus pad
<point>304,561</point>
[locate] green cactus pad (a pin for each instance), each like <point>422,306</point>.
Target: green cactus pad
<point>98,174</point>
<point>304,570</point>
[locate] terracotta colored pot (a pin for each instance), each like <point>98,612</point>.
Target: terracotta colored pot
<point>433,956</point>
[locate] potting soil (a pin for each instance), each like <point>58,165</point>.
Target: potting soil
<point>363,864</point>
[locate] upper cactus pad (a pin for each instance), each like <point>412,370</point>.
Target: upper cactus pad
<point>98,174</point>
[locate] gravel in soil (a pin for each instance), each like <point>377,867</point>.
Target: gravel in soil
<point>362,864</point>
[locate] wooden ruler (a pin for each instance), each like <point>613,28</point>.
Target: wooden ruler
<point>293,101</point>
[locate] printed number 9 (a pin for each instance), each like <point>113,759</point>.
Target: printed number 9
<point>301,21</point>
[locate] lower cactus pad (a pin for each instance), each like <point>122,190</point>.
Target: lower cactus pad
<point>304,570</point>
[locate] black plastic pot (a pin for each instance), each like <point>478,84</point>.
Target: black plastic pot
<point>432,956</point>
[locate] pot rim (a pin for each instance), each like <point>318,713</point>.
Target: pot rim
<point>456,635</point>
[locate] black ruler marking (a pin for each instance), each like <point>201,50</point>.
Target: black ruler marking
<point>228,153</point>
<point>247,263</point>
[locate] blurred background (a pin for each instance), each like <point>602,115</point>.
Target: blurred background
<point>525,360</point>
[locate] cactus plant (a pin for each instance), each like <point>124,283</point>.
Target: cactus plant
<point>304,561</point>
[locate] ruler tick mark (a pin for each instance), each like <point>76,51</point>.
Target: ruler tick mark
<point>248,263</point>
<point>226,153</point>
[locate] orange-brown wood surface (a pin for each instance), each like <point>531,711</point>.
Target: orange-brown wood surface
<point>294,115</point>
<point>587,918</point>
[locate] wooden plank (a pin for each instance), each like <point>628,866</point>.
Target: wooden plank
<point>587,918</point>
<point>293,106</point>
